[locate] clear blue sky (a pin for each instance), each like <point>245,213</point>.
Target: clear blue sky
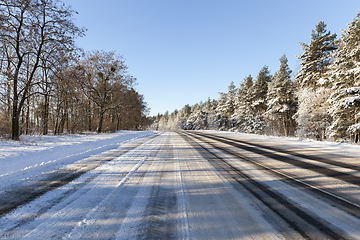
<point>184,51</point>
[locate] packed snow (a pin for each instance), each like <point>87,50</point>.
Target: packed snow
<point>36,154</point>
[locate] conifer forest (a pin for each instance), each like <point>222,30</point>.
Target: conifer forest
<point>320,101</point>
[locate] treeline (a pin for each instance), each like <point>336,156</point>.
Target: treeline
<point>321,101</point>
<point>49,85</point>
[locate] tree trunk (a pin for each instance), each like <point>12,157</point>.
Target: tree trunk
<point>89,116</point>
<point>56,126</point>
<point>15,123</point>
<point>118,123</point>
<point>357,137</point>
<point>27,117</point>
<point>15,111</point>
<point>101,117</point>
<point>62,121</point>
<point>45,115</point>
<point>57,120</point>
<point>286,129</point>
<point>8,110</point>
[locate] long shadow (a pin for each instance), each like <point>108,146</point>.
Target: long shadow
<point>346,177</point>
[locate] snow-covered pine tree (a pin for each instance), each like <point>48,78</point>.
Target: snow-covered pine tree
<point>220,119</point>
<point>210,108</point>
<point>184,115</point>
<point>344,76</point>
<point>199,116</point>
<point>192,119</point>
<point>244,119</point>
<point>231,99</point>
<point>312,116</point>
<point>260,90</point>
<point>244,97</point>
<point>226,107</point>
<point>281,101</point>
<point>316,56</point>
<point>231,103</point>
<point>259,103</point>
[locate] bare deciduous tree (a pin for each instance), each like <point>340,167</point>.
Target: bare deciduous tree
<point>29,28</point>
<point>104,78</point>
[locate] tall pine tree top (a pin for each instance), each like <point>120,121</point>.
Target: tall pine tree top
<point>344,75</point>
<point>280,97</point>
<point>281,92</point>
<point>345,72</point>
<point>316,56</point>
<point>261,82</point>
<point>260,88</point>
<point>244,96</point>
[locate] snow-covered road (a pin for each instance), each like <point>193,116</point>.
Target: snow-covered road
<point>187,185</point>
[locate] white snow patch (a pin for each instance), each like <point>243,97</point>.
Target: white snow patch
<point>35,154</point>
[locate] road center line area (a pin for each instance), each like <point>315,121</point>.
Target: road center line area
<point>188,185</point>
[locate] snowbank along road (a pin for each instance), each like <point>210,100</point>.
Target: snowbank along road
<point>189,185</point>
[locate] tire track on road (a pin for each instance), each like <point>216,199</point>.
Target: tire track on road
<point>349,178</point>
<point>162,202</point>
<point>31,188</point>
<point>293,215</point>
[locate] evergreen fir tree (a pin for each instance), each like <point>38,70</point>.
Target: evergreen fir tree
<point>221,112</point>
<point>245,97</point>
<point>259,104</point>
<point>183,115</point>
<point>260,90</point>
<point>344,75</point>
<point>244,118</point>
<point>316,56</point>
<point>192,119</point>
<point>226,107</point>
<point>231,99</point>
<point>312,116</point>
<point>281,100</point>
<point>210,108</point>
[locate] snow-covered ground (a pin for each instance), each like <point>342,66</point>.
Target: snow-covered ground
<point>326,147</point>
<point>36,154</point>
<point>162,187</point>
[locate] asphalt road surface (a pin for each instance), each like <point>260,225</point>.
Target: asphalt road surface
<point>190,185</point>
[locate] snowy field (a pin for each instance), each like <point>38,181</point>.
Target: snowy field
<point>36,154</point>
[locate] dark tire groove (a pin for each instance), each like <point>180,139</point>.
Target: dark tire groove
<point>272,148</point>
<point>324,171</point>
<point>163,201</point>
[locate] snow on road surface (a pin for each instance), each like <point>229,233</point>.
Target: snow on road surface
<point>145,185</point>
<point>43,153</point>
